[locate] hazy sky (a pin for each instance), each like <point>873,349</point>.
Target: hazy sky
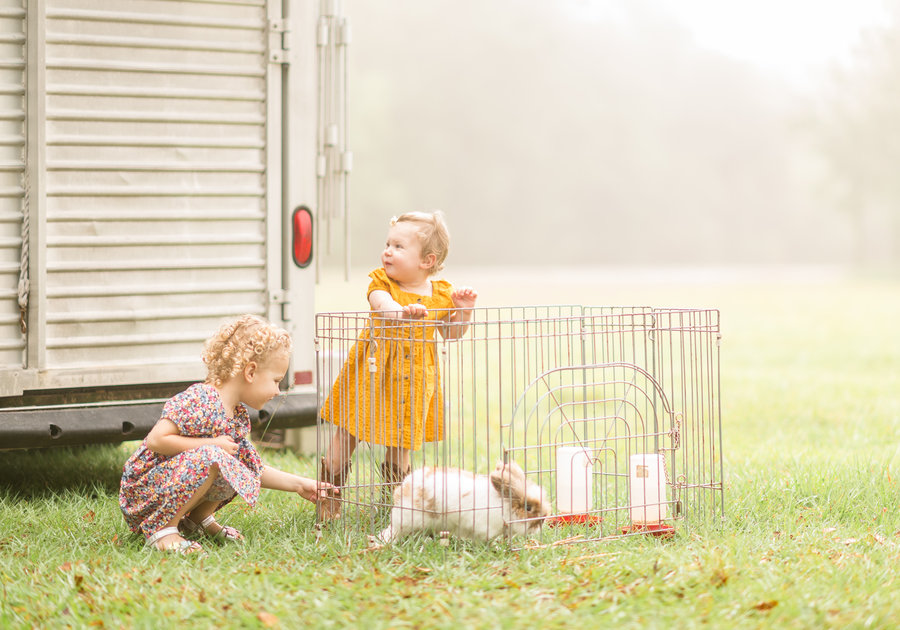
<point>794,38</point>
<point>673,131</point>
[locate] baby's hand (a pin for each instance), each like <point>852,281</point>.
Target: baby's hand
<point>226,444</point>
<point>415,311</point>
<point>464,297</point>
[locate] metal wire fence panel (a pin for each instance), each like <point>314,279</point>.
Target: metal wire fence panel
<point>539,425</point>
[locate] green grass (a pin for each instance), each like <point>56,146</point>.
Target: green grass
<point>811,412</point>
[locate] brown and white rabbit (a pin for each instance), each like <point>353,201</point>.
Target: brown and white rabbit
<point>478,507</point>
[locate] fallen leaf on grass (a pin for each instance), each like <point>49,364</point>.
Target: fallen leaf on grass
<point>829,530</point>
<point>89,516</point>
<point>372,546</point>
<point>407,579</point>
<point>766,605</point>
<point>849,541</point>
<point>627,589</point>
<point>267,619</point>
<point>880,539</point>
<point>65,566</point>
<point>719,578</point>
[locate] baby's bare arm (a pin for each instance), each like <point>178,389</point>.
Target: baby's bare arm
<point>382,301</point>
<point>458,322</point>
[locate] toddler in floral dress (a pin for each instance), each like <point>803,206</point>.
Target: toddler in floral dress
<point>198,456</point>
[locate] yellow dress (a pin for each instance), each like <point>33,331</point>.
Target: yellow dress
<point>388,391</point>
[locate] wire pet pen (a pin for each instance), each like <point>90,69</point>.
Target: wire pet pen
<point>613,411</point>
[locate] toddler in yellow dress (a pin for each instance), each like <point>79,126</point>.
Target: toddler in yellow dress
<point>388,391</point>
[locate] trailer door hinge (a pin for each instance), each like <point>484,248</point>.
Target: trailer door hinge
<point>279,41</point>
<point>280,298</point>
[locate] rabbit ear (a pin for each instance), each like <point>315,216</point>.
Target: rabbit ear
<point>497,481</point>
<point>515,471</point>
<point>508,480</point>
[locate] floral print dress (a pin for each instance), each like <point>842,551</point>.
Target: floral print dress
<point>154,487</point>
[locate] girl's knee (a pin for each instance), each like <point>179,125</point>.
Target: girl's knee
<point>209,455</point>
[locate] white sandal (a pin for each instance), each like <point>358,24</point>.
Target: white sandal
<point>225,532</point>
<point>183,547</point>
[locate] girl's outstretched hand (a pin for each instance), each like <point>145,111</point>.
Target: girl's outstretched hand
<point>313,490</point>
<point>464,297</point>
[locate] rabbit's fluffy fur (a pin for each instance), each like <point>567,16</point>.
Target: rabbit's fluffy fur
<point>478,507</point>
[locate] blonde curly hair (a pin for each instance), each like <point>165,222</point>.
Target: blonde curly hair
<point>235,344</point>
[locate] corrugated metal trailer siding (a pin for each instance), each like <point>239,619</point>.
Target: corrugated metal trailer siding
<point>155,189</point>
<point>12,167</point>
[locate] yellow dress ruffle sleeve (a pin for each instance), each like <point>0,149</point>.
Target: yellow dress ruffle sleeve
<point>389,389</point>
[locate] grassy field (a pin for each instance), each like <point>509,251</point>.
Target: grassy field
<point>811,415</point>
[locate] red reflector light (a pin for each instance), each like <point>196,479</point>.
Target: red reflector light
<point>302,236</point>
<point>303,378</point>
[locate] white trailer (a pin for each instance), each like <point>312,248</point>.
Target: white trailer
<point>161,164</point>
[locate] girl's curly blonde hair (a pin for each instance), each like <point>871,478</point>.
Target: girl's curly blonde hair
<point>235,344</point>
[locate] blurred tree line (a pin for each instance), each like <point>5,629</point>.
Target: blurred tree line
<point>548,138</point>
<point>856,132</point>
